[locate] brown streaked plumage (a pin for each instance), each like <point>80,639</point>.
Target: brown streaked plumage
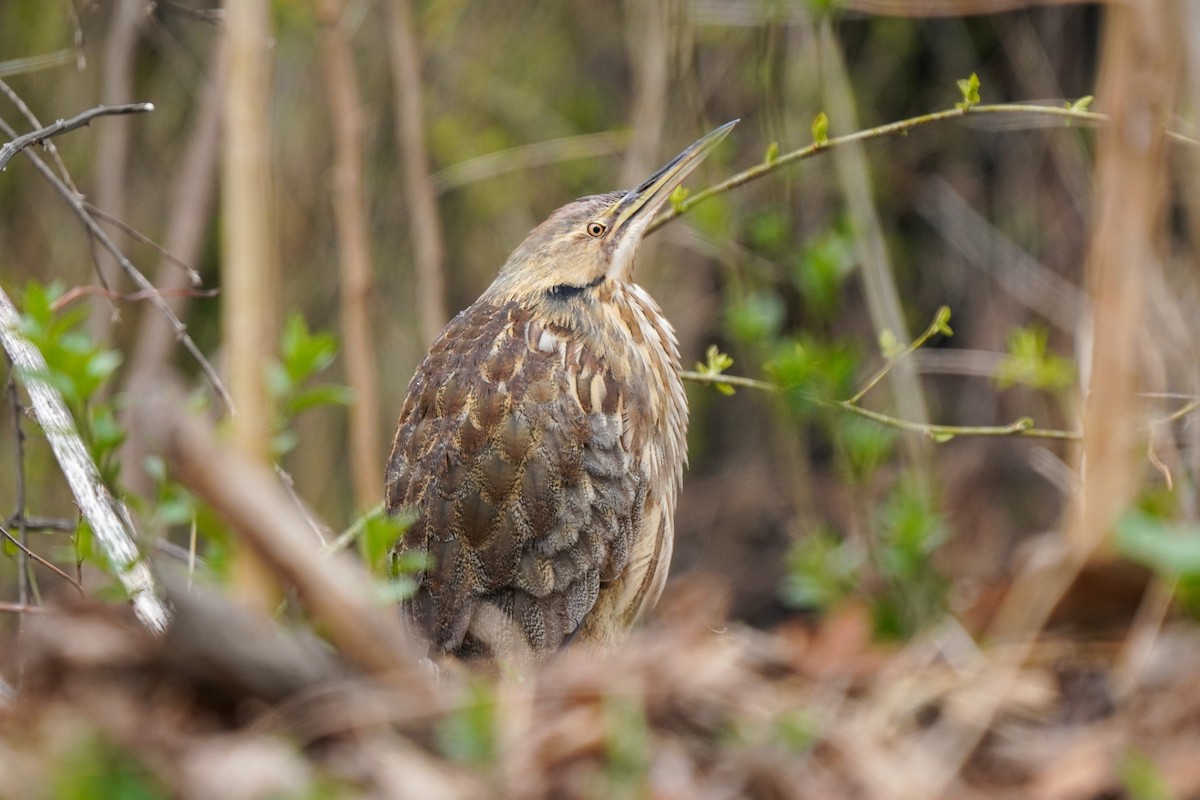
<point>541,443</point>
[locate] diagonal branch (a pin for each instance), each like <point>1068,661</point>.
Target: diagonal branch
<point>143,283</point>
<point>105,514</point>
<point>65,126</point>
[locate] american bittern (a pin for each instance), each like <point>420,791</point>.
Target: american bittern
<point>542,441</point>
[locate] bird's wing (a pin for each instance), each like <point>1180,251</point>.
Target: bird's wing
<point>512,450</point>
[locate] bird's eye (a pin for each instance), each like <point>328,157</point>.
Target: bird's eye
<point>595,228</point>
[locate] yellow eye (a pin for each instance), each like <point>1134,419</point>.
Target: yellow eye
<point>595,228</point>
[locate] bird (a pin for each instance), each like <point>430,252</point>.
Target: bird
<point>541,444</point>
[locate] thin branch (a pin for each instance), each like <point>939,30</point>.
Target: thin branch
<point>355,269</point>
<point>939,433</point>
<point>403,49</point>
<point>32,119</point>
<point>16,410</point>
<point>48,565</point>
<point>22,608</point>
<point>78,292</point>
<point>731,380</point>
<point>934,327</point>
<point>192,273</point>
<point>899,128</point>
<point>94,227</point>
<point>65,126</point>
<point>942,433</point>
<point>57,524</point>
<point>348,536</point>
<point>107,517</point>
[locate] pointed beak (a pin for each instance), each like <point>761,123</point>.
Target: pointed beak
<point>634,212</point>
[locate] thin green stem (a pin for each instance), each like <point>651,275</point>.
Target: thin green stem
<point>939,433</point>
<point>900,127</point>
<point>943,433</point>
<point>348,536</point>
<point>731,380</point>
<point>937,325</point>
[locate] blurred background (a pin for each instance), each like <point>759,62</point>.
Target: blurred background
<point>895,569</point>
<point>800,276</point>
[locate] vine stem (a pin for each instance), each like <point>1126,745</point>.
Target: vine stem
<point>900,128</point>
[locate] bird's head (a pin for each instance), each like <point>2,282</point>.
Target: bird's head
<point>594,238</point>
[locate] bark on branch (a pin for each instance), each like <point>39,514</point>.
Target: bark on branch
<point>105,514</point>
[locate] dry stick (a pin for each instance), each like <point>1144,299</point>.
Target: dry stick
<point>21,608</point>
<point>26,552</point>
<point>1139,67</point>
<point>190,209</point>
<point>177,328</point>
<point>113,145</point>
<point>78,292</point>
<point>192,274</point>
<point>249,259</point>
<point>14,405</point>
<point>354,250</point>
<point>422,198</point>
<point>335,589</point>
<point>64,126</point>
<point>107,517</point>
<point>26,112</point>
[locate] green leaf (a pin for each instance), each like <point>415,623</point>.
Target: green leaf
<point>889,345</point>
<point>941,322</point>
<point>756,318</point>
<point>1170,548</point>
<point>969,87</point>
<point>820,128</point>
<point>822,570</point>
<point>821,268</point>
<point>380,533</point>
<point>1028,363</point>
<point>1142,778</point>
<point>772,153</point>
<point>323,394</point>
<point>1081,104</point>
<point>942,437</point>
<point>716,363</point>
<point>468,733</point>
<point>678,195</point>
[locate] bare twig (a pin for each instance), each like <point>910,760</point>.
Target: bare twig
<point>21,608</point>
<point>132,232</point>
<point>94,227</point>
<point>14,405</point>
<point>79,292</point>
<point>113,145</point>
<point>1139,67</point>
<point>32,523</point>
<point>65,126</point>
<point>107,517</point>
<point>25,551</point>
<point>354,250</point>
<point>189,216</point>
<point>32,119</point>
<point>249,268</point>
<point>422,199</point>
